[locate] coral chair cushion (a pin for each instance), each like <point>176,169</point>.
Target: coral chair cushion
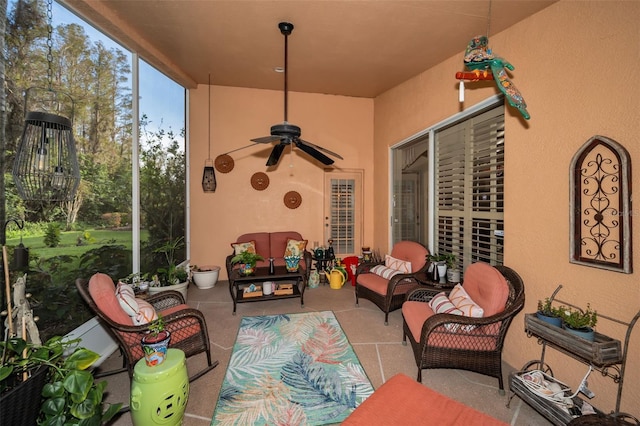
<point>103,292</point>
<point>487,287</point>
<point>415,314</point>
<point>410,251</point>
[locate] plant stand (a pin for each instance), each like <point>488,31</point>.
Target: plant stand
<point>604,354</point>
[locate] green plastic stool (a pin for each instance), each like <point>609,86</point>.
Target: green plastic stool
<point>159,394</point>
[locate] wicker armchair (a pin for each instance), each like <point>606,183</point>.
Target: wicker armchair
<point>461,342</point>
<point>389,293</point>
<point>187,326</point>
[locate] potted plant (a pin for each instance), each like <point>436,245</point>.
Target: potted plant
<point>580,322</point>
<point>453,272</point>
<point>172,276</point>
<point>247,261</point>
<point>548,313</point>
<point>65,392</point>
<point>205,276</point>
<point>438,268</point>
<point>156,342</point>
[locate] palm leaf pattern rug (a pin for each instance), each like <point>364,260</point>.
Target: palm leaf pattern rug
<point>291,369</point>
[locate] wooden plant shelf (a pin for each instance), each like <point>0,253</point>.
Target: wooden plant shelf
<point>602,351</point>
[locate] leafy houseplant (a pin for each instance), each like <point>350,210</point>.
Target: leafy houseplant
<point>171,274</point>
<point>70,394</point>
<point>247,261</point>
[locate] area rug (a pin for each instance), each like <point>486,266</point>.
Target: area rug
<point>293,369</point>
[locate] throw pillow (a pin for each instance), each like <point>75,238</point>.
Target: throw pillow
<point>462,301</point>
<point>146,313</point>
<point>384,272</point>
<point>127,299</point>
<point>440,304</point>
<point>295,247</point>
<point>397,264</point>
<point>249,246</point>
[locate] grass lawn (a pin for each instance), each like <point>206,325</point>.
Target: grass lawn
<point>69,242</point>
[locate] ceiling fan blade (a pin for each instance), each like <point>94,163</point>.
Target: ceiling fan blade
<point>313,152</point>
<point>276,152</point>
<point>266,139</point>
<point>322,149</point>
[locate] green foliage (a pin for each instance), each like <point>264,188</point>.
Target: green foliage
<point>71,396</point>
<point>170,273</point>
<point>578,318</point>
<point>246,258</point>
<point>52,235</point>
<point>546,307</point>
<point>157,325</point>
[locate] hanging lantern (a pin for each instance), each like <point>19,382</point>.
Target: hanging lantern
<point>209,174</point>
<point>209,177</point>
<point>46,164</point>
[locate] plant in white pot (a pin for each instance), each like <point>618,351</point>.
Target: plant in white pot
<point>172,276</point>
<point>205,276</point>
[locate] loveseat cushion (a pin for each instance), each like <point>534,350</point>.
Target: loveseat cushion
<point>103,292</point>
<point>278,243</point>
<point>261,240</point>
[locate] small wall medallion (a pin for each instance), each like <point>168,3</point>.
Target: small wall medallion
<point>292,199</point>
<point>260,181</point>
<point>224,163</point>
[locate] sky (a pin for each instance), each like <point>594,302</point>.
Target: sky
<point>158,93</point>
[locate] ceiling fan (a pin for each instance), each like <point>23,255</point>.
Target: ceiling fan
<point>286,133</point>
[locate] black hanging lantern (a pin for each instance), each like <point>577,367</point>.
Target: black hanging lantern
<point>46,165</point>
<point>209,174</point>
<point>208,177</point>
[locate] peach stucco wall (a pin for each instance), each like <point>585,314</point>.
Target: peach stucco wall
<point>341,124</point>
<point>576,65</point>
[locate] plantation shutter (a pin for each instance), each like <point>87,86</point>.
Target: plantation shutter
<point>344,195</point>
<point>470,185</point>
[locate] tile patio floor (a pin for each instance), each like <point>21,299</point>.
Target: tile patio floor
<point>378,347</point>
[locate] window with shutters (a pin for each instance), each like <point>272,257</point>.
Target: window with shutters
<point>469,182</point>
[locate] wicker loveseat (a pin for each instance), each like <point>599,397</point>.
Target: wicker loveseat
<point>271,244</point>
<point>446,340</point>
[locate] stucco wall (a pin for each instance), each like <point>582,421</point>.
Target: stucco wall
<point>341,124</point>
<point>576,65</point>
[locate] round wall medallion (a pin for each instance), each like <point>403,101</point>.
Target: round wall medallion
<point>259,181</point>
<point>224,163</point>
<point>292,199</point>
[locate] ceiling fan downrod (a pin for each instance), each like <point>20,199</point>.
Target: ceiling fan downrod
<point>286,28</point>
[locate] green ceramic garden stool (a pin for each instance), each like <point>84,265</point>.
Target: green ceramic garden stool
<point>159,394</point>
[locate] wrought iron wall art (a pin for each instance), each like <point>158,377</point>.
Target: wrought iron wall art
<point>600,185</point>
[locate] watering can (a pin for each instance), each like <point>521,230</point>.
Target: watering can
<point>336,278</point>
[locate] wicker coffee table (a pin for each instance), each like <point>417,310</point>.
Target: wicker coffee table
<point>238,282</point>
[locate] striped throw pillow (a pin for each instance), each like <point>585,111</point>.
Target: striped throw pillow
<point>462,301</point>
<point>397,264</point>
<point>440,304</point>
<point>384,272</point>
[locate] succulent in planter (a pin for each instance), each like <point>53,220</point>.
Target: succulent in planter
<point>70,394</point>
<point>549,313</point>
<point>578,319</point>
